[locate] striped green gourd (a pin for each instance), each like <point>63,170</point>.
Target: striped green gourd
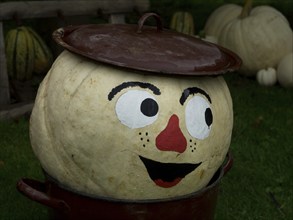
<point>182,21</point>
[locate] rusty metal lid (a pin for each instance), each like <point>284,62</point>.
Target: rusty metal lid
<point>147,48</point>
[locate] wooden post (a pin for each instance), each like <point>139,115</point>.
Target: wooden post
<point>45,9</point>
<point>4,83</point>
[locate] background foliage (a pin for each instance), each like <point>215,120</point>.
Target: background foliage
<point>201,9</point>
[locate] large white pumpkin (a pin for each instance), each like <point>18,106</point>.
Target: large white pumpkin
<point>261,36</point>
<point>118,133</point>
<point>220,17</point>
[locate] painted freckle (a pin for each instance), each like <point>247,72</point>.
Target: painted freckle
<point>192,145</point>
<point>144,139</point>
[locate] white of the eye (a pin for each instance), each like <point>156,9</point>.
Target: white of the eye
<point>128,109</point>
<point>195,117</point>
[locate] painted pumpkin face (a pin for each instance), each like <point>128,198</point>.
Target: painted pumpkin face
<point>117,133</point>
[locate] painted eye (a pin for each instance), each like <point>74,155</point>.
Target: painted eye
<point>137,109</point>
<point>198,117</point>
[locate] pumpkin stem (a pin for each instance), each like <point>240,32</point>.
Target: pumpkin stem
<point>246,9</point>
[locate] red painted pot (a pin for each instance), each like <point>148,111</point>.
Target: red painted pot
<point>66,204</point>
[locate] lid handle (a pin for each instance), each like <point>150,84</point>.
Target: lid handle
<point>146,16</point>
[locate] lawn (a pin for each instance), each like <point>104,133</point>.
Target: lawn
<point>259,185</point>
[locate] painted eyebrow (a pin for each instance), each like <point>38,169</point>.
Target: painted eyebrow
<point>124,85</point>
<point>191,91</point>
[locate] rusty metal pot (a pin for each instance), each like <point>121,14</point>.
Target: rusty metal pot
<point>66,204</point>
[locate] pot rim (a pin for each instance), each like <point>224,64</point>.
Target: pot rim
<point>214,182</point>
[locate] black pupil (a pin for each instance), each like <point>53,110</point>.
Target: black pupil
<point>209,116</point>
<point>149,107</point>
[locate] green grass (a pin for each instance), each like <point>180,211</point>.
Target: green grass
<point>259,185</point>
<point>16,161</point>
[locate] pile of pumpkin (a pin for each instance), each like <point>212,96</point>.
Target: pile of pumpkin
<point>261,36</point>
<point>26,54</point>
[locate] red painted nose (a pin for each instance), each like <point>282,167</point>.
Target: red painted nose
<point>172,138</point>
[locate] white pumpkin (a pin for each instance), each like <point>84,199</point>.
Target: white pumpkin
<point>285,71</point>
<point>220,17</point>
<point>208,38</point>
<point>267,77</point>
<point>261,37</point>
<point>118,133</point>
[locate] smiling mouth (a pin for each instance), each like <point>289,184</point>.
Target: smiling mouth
<point>167,174</point>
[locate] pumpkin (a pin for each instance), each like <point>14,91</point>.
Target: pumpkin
<point>208,38</point>
<point>211,39</point>
<point>260,36</point>
<point>119,133</point>
<point>267,77</point>
<point>285,71</point>
<point>220,17</point>
<point>182,21</point>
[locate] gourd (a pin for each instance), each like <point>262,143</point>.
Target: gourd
<point>19,49</point>
<point>285,71</point>
<point>89,132</point>
<point>220,17</point>
<point>182,21</point>
<point>26,53</point>
<point>261,37</point>
<point>267,77</point>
